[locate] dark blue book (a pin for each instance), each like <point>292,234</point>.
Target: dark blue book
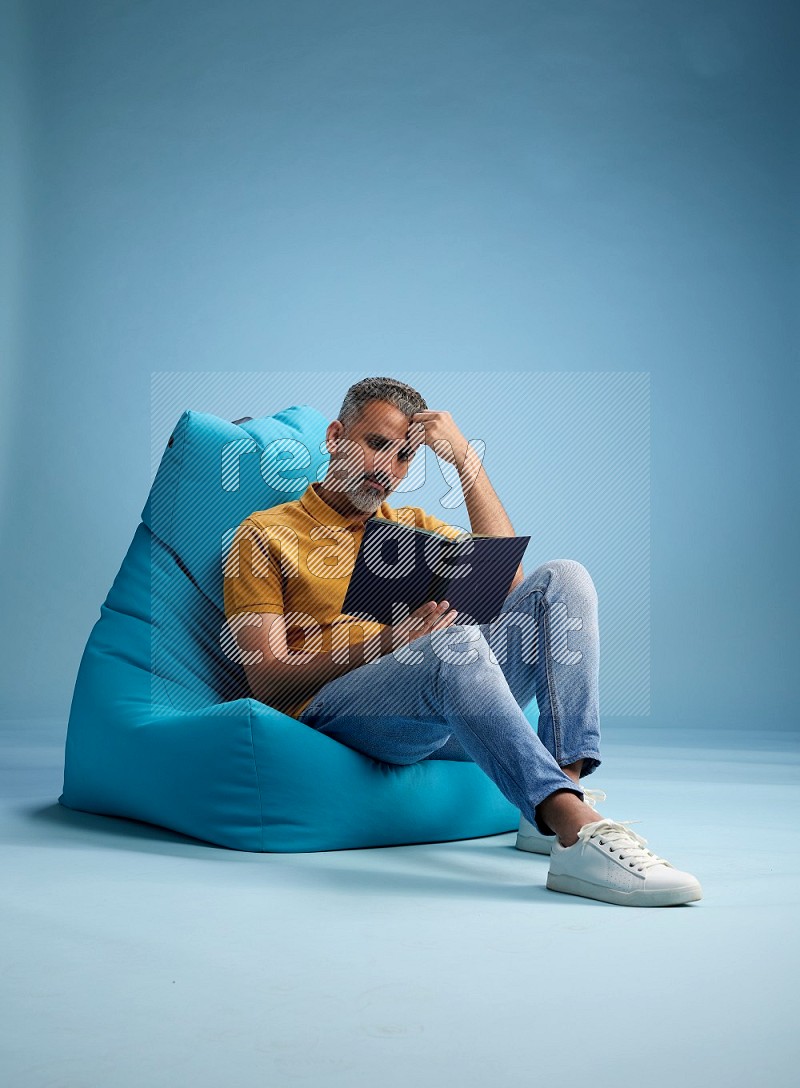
<point>398,568</point>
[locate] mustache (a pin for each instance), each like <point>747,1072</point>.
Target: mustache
<point>380,483</point>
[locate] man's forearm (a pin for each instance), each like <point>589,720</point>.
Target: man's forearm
<point>282,684</point>
<point>486,513</point>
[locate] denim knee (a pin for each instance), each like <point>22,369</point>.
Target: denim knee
<point>570,570</point>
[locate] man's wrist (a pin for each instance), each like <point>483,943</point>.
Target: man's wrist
<point>386,639</point>
<point>370,648</point>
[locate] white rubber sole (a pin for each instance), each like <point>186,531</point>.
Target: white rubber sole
<point>533,845</point>
<point>668,897</point>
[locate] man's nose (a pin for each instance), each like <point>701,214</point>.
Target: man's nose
<point>387,463</point>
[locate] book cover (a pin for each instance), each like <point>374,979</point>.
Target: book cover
<point>398,568</point>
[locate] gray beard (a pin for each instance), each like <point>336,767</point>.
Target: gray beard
<point>365,499</point>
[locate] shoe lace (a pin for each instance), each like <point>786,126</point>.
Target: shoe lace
<point>591,797</point>
<point>618,836</point>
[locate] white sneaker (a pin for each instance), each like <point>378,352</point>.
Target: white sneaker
<point>610,862</point>
<point>530,838</point>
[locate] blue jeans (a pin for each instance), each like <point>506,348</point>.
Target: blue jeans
<point>459,692</point>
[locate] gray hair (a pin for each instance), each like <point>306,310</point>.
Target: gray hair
<point>402,396</point>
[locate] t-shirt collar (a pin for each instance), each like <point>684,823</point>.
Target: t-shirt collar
<point>326,515</point>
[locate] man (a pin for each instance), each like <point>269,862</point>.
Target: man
<point>405,692</point>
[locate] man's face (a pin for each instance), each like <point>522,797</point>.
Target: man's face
<point>376,448</point>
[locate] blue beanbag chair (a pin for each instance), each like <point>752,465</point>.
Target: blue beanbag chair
<point>162,728</point>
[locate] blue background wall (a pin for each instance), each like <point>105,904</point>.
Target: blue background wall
<point>406,188</point>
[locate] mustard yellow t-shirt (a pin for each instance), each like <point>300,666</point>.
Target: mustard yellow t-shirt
<point>297,558</point>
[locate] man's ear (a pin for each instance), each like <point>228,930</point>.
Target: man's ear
<point>332,435</point>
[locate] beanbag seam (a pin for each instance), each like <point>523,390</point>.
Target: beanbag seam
<point>258,777</point>
<point>184,435</point>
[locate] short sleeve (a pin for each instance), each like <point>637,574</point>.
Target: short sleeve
<point>252,572</point>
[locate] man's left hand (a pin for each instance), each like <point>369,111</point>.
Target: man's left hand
<point>439,431</point>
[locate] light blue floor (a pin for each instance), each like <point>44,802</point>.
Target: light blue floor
<point>135,957</point>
